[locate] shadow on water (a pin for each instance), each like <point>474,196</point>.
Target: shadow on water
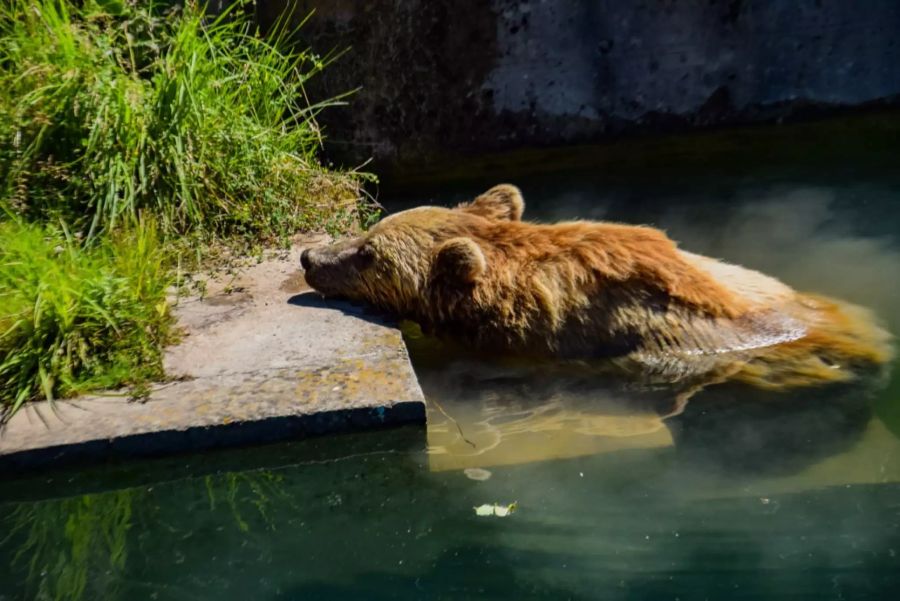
<point>734,428</point>
<point>728,428</point>
<point>462,572</point>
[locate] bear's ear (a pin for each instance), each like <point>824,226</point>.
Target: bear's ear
<point>500,202</point>
<point>458,260</point>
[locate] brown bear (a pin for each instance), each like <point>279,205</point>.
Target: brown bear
<point>616,296</point>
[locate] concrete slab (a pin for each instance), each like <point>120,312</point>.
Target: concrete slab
<point>263,358</point>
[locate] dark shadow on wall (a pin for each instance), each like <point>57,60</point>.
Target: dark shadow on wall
<point>442,80</point>
<point>416,68</point>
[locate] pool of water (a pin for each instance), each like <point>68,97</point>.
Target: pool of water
<point>751,499</point>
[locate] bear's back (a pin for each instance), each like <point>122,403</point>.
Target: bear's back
<point>787,339</point>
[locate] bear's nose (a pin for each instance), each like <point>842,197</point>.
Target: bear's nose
<point>304,259</point>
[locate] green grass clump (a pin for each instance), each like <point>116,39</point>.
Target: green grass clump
<point>110,108</point>
<point>132,132</point>
<point>74,319</point>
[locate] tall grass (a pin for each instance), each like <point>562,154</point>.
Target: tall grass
<point>128,129</point>
<point>105,112</point>
<point>74,319</point>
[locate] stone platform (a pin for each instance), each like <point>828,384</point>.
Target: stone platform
<point>263,359</point>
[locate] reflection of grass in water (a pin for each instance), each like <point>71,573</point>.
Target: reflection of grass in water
<point>77,548</point>
<point>264,488</point>
<point>73,546</point>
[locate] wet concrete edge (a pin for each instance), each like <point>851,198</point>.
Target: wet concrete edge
<point>205,438</point>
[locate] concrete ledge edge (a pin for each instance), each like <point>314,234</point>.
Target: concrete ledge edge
<point>204,438</point>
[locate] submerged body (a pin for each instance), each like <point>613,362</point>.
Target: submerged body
<point>618,296</point>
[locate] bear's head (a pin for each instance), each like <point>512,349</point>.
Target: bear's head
<point>392,264</point>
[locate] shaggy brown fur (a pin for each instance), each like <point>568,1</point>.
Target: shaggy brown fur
<point>588,290</point>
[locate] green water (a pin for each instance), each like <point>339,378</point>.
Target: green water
<point>798,498</point>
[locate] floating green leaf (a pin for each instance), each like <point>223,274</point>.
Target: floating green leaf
<point>496,510</point>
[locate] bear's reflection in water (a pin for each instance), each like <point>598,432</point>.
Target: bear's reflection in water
<point>491,411</point>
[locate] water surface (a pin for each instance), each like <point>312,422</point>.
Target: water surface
<point>753,499</point>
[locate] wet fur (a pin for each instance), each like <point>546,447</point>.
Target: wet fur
<point>622,295</point>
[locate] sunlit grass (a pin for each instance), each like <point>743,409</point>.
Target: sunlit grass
<point>74,319</point>
<point>130,133</point>
<point>201,122</point>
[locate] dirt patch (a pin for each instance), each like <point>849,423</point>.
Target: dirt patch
<point>295,283</point>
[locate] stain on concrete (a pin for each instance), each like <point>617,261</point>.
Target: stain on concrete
<point>229,299</point>
<point>295,283</point>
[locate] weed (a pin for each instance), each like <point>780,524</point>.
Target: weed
<point>160,137</point>
<point>105,114</point>
<point>74,319</point>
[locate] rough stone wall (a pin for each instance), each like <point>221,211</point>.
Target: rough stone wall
<point>450,77</point>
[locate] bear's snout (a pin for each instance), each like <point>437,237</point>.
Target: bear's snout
<point>316,268</point>
<point>304,259</point>
<point>330,269</point>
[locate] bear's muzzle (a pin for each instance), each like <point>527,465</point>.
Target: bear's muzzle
<point>304,260</point>
<point>332,270</point>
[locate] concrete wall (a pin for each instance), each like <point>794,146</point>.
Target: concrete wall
<point>451,77</point>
